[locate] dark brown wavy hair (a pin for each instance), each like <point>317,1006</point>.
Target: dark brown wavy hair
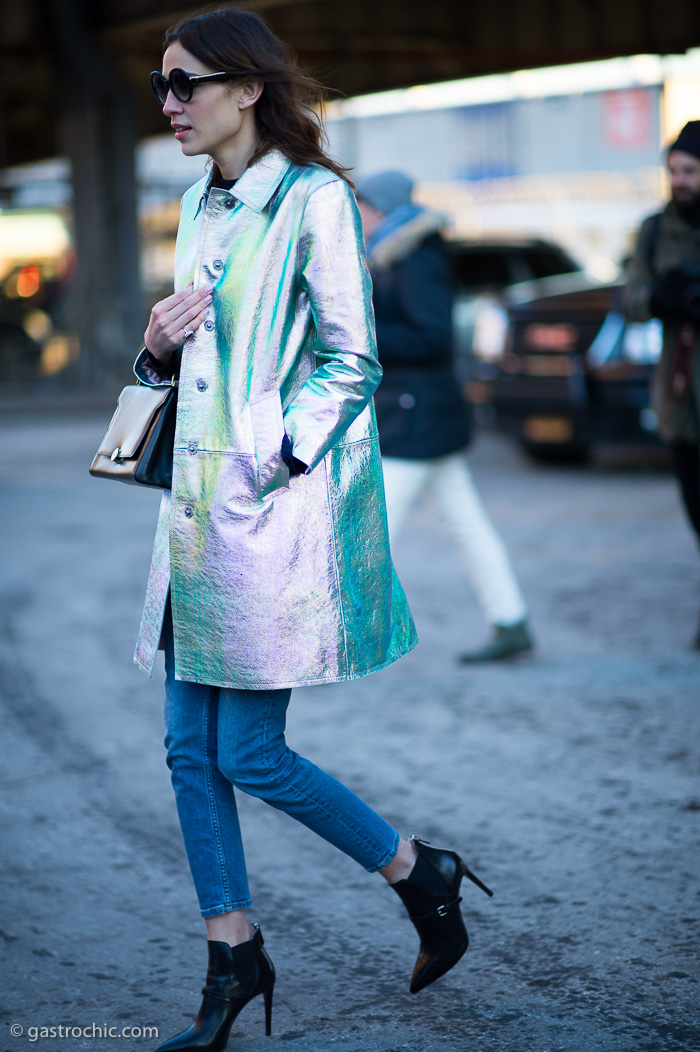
<point>287,112</point>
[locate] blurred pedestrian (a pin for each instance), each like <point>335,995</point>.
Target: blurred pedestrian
<point>664,282</point>
<point>424,421</point>
<point>271,566</point>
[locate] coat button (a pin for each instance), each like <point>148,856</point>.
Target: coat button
<point>192,447</point>
<point>202,384</point>
<point>407,401</point>
<point>230,202</point>
<point>209,325</point>
<point>218,264</point>
<point>189,512</point>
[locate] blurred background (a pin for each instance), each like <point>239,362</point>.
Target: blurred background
<point>571,779</point>
<point>538,132</point>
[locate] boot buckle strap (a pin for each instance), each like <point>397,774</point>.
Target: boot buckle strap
<point>441,911</point>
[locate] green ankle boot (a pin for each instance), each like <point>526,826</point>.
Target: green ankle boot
<point>506,642</point>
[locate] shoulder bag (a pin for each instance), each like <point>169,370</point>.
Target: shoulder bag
<point>138,446</point>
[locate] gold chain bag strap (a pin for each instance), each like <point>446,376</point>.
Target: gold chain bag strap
<point>138,446</point>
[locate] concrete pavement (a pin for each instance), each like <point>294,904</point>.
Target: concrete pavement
<point>570,782</point>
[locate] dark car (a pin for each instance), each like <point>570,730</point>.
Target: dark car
<point>570,373</point>
<point>485,270</point>
<point>492,264</point>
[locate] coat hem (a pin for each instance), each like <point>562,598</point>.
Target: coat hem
<point>313,681</point>
<point>148,670</point>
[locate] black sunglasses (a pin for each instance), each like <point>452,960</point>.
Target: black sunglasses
<point>183,84</point>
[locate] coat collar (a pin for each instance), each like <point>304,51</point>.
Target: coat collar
<point>258,183</point>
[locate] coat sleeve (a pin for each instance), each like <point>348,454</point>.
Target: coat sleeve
<point>150,373</point>
<point>636,295</point>
<point>335,278</point>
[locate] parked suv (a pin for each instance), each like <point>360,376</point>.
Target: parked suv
<point>569,371</point>
<point>484,273</point>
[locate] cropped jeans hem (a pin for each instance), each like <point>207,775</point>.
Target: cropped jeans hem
<point>216,911</point>
<point>390,856</point>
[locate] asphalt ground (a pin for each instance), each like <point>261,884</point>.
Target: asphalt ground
<point>569,781</point>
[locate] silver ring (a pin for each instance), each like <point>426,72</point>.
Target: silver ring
<point>188,333</point>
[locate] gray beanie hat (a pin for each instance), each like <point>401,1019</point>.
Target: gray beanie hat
<point>385,191</point>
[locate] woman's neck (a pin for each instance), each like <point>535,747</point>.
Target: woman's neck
<point>234,157</point>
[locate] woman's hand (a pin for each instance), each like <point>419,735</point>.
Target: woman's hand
<point>174,319</point>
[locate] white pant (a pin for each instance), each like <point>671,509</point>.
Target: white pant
<point>485,556</point>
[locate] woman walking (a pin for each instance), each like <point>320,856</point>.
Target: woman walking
<point>271,565</point>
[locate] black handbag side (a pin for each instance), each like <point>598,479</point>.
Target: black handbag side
<point>156,462</point>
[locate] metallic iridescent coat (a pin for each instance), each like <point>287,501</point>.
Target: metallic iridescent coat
<point>275,582</point>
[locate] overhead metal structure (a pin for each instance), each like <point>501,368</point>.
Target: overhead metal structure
<point>74,82</point>
<point>355,46</point>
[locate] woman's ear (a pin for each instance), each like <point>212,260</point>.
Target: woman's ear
<point>252,90</point>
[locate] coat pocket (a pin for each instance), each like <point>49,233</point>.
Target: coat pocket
<point>268,431</point>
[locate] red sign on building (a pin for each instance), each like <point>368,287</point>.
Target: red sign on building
<point>627,118</point>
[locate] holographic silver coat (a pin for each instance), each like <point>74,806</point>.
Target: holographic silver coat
<point>275,582</point>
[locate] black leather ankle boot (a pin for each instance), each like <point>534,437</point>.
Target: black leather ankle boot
<point>431,895</point>
<point>236,974</point>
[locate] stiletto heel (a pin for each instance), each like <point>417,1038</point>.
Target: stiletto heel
<point>431,895</point>
<point>236,975</point>
<point>475,880</point>
<point>268,1010</point>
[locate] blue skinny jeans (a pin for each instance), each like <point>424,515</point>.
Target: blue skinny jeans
<point>219,738</point>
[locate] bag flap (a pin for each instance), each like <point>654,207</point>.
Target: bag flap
<point>136,408</point>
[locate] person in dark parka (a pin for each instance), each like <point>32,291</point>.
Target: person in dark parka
<point>423,420</point>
